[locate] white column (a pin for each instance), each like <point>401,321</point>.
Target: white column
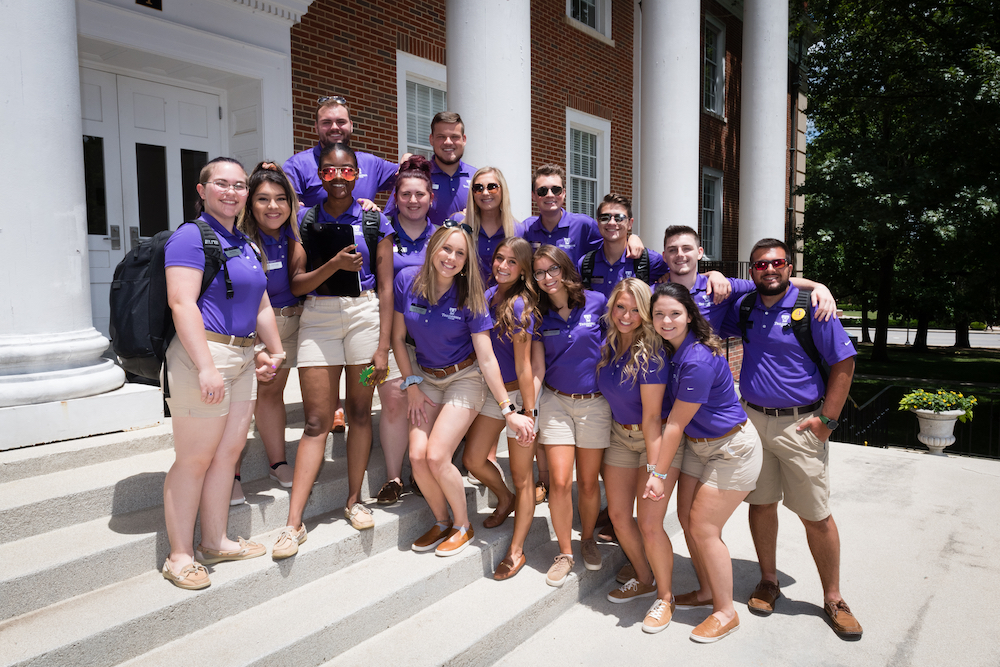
<point>489,85</point>
<point>763,123</point>
<point>49,350</point>
<point>671,118</point>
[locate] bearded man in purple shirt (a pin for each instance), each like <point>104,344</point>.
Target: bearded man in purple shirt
<point>795,411</point>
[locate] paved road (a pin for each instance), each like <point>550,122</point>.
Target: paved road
<point>941,337</point>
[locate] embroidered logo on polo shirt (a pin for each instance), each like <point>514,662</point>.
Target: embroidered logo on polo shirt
<point>568,242</point>
<point>452,314</point>
<point>588,320</point>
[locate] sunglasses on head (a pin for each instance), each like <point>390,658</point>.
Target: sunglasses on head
<point>543,190</point>
<point>332,98</point>
<point>608,217</point>
<point>454,224</point>
<point>489,187</point>
<point>330,173</point>
<point>762,264</point>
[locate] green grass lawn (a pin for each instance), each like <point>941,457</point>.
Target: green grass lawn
<point>937,363</point>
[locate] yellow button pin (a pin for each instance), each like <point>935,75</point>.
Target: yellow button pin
<point>798,314</point>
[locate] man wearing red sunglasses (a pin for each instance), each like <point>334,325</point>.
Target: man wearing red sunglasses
<point>794,405</point>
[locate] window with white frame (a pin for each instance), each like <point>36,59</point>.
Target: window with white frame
<point>588,161</point>
<point>422,91</point>
<point>714,66</point>
<point>711,213</point>
<point>594,14</point>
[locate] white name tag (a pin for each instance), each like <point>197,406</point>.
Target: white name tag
<point>271,266</point>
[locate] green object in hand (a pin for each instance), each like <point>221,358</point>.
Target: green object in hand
<point>366,375</point>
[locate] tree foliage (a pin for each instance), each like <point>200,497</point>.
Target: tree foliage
<point>902,189</point>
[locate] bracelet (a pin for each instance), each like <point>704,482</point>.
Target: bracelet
<point>279,355</point>
<point>507,401</point>
<point>659,475</point>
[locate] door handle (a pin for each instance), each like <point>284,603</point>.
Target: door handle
<point>116,237</point>
<point>133,237</point>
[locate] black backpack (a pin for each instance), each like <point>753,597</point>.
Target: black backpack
<point>142,325</point>
<point>801,328</point>
<point>369,228</point>
<point>587,267</point>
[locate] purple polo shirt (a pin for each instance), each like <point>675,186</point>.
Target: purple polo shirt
<point>487,245</point>
<point>407,251</point>
<point>777,373</point>
<point>698,376</point>
<point>576,233</point>
<point>451,193</point>
<point>352,217</point>
<point>231,317</point>
<point>715,313</point>
<point>279,288</point>
<point>375,175</point>
<point>442,332</point>
<point>573,347</point>
<point>606,276</point>
<point>623,395</point>
<point>503,345</point>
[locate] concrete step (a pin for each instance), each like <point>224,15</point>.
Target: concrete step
<point>130,617</point>
<point>483,621</point>
<point>331,615</point>
<point>49,567</point>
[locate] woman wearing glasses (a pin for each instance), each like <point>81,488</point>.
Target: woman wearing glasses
<point>722,453</point>
<point>488,213</point>
<point>209,373</point>
<point>411,231</point>
<point>337,332</point>
<point>574,418</point>
<point>442,306</point>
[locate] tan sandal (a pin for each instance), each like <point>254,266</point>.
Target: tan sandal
<point>192,576</point>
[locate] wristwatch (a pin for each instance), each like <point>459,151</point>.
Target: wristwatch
<point>831,424</point>
<point>411,379</point>
<point>532,413</point>
<point>507,408</point>
<point>650,467</point>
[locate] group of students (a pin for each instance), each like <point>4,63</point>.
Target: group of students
<point>463,340</point>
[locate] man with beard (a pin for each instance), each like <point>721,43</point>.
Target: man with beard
<point>795,411</point>
<point>334,125</point>
<point>450,176</point>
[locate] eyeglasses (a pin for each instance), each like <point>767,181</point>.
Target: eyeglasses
<point>454,224</point>
<point>762,264</point>
<point>489,187</point>
<point>225,186</point>
<point>556,190</point>
<point>552,272</point>
<point>330,173</point>
<point>332,98</point>
<point>608,217</point>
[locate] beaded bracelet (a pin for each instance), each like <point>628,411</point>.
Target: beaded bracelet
<point>659,475</point>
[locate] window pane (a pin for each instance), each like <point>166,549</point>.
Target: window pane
<point>151,178</point>
<point>93,176</point>
<point>711,68</point>
<point>191,164</point>
<point>583,172</point>
<point>422,103</point>
<point>585,11</point>
<point>710,217</point>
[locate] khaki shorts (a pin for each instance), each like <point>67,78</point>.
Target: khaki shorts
<point>491,409</point>
<point>628,449</point>
<point>238,373</point>
<point>288,331</point>
<point>338,330</point>
<point>394,372</point>
<point>584,422</point>
<point>464,389</point>
<point>796,466</point>
<point>728,464</point>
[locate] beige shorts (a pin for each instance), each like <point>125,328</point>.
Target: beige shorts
<point>491,408</point>
<point>628,449</point>
<point>288,331</point>
<point>338,330</point>
<point>728,464</point>
<point>238,373</point>
<point>394,372</point>
<point>796,466</point>
<point>464,389</point>
<point>584,422</point>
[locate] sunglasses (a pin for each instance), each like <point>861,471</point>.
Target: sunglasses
<point>553,272</point>
<point>556,190</point>
<point>332,98</point>
<point>454,224</point>
<point>608,217</point>
<point>762,264</point>
<point>330,173</point>
<point>489,187</point>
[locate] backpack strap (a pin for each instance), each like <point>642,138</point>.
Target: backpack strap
<point>587,268</point>
<point>642,266</point>
<point>370,224</point>
<point>746,307</point>
<point>802,328</point>
<point>215,259</point>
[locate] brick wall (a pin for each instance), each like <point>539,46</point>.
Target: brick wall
<point>573,69</point>
<point>720,138</point>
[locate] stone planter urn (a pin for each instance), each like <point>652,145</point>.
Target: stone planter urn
<point>937,429</point>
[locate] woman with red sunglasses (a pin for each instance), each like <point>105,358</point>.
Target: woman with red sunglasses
<point>338,330</point>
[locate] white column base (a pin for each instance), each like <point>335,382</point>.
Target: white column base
<point>131,407</point>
